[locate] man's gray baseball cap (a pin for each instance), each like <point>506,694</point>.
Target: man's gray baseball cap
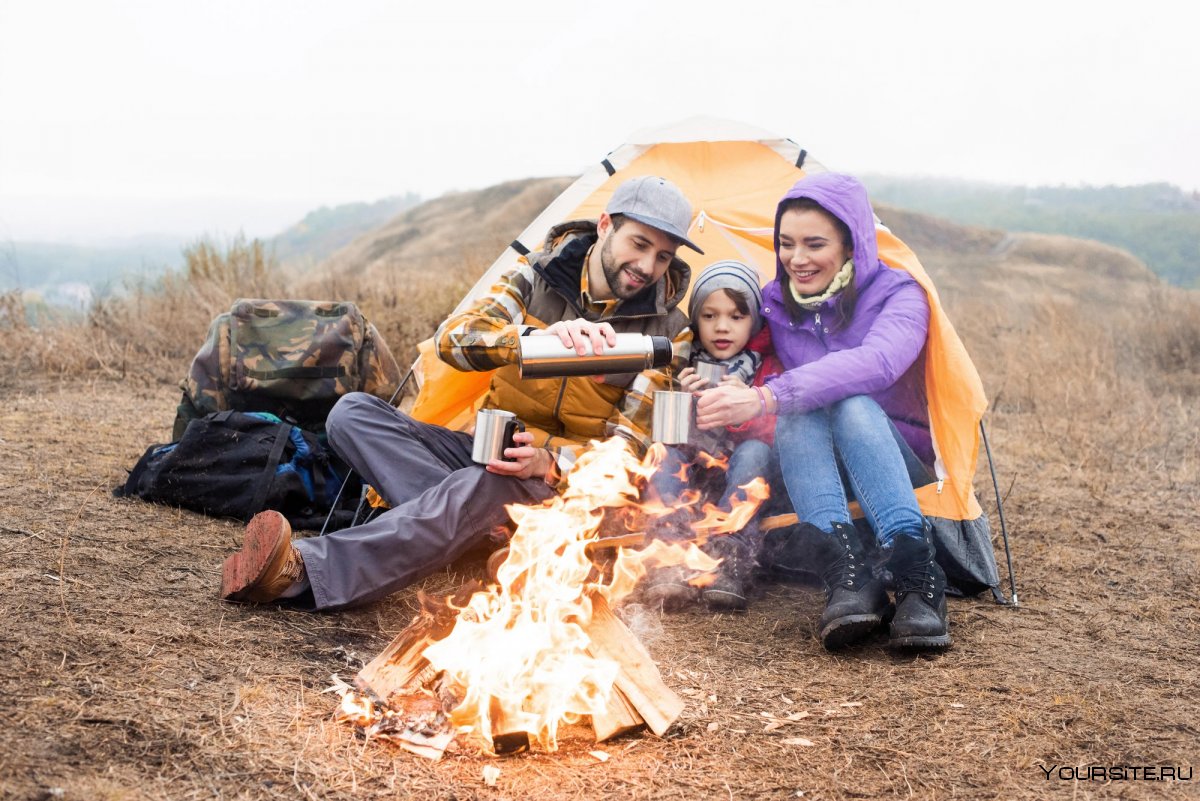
<point>655,202</point>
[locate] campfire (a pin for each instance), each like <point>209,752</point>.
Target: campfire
<point>508,663</point>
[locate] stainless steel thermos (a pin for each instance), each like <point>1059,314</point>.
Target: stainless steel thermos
<point>547,357</point>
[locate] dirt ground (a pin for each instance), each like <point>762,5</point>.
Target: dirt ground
<point>122,676</point>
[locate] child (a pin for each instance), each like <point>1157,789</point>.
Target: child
<point>725,313</point>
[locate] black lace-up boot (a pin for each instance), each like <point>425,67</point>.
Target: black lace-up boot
<point>921,619</point>
<point>727,593</point>
<point>855,601</point>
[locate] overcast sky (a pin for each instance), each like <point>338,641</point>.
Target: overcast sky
<point>137,117</point>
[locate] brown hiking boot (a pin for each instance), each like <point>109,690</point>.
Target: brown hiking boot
<point>266,565</point>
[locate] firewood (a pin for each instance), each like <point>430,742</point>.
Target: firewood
<point>505,740</point>
<point>400,664</point>
<point>778,521</point>
<point>396,666</point>
<point>618,717</point>
<point>637,677</point>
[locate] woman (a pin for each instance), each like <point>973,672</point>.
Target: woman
<point>850,333</point>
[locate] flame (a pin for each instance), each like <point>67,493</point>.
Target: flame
<point>707,461</point>
<point>356,708</point>
<point>517,655</point>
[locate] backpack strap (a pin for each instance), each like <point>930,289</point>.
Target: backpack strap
<point>333,371</point>
<point>282,434</point>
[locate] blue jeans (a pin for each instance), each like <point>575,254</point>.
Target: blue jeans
<point>851,446</point>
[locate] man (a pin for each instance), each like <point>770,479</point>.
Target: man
<point>589,282</point>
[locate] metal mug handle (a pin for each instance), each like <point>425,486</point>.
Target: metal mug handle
<point>511,426</point>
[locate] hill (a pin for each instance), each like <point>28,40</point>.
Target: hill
<point>456,230</point>
<point>329,228</point>
<point>1158,223</point>
<point>410,272</point>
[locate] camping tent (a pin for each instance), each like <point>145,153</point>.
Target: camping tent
<point>734,175</point>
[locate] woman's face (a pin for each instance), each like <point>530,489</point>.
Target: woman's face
<point>810,250</point>
<point>724,331</point>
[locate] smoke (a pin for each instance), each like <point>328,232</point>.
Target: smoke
<point>645,622</point>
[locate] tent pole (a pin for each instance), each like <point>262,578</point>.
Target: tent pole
<point>1012,579</point>
<point>337,499</point>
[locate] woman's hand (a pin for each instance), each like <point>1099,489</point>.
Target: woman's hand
<point>729,404</point>
<point>527,461</point>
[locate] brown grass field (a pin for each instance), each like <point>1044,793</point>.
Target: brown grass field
<point>122,676</point>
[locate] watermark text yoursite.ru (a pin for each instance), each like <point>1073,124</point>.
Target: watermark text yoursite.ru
<point>1118,773</point>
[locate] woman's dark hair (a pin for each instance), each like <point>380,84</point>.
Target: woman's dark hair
<point>848,297</point>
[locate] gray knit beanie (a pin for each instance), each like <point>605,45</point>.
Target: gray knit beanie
<point>728,275</point>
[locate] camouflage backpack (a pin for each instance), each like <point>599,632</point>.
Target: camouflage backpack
<point>292,358</point>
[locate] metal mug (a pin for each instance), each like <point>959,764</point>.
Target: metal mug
<point>494,429</point>
<point>672,419</point>
<point>710,370</point>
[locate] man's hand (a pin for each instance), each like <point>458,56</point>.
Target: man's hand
<point>729,404</point>
<point>578,333</point>
<point>527,461</point>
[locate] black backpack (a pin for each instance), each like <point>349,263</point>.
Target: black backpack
<point>235,464</point>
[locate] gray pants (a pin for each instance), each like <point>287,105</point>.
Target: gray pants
<point>442,503</point>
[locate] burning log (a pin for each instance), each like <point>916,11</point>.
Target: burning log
<point>540,646</point>
<point>617,717</point>
<point>638,696</point>
<point>398,667</point>
<point>505,738</point>
<point>638,680</point>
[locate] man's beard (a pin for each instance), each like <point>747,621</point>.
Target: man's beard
<point>612,273</point>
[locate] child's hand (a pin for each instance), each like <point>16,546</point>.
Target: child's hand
<point>731,380</point>
<point>689,381</point>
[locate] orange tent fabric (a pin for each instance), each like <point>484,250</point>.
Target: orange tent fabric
<point>734,176</point>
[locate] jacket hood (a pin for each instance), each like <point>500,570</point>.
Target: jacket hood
<point>567,245</point>
<point>845,198</point>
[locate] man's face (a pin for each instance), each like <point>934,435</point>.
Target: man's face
<point>634,256</point>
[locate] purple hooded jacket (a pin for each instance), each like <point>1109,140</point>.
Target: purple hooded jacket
<point>878,351</point>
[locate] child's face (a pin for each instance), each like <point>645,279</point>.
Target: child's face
<point>724,331</point>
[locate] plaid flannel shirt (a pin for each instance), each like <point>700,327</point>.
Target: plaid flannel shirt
<point>484,337</point>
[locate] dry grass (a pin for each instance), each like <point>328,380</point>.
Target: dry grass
<point>123,677</point>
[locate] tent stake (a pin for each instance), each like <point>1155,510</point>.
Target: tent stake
<point>1012,579</point>
<point>337,499</point>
